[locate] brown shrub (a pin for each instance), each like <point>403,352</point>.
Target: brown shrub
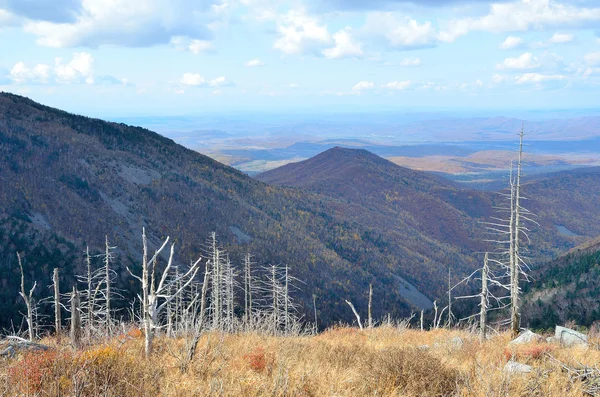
<point>531,351</point>
<point>410,371</point>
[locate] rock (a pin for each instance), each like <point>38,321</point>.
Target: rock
<point>517,368</point>
<point>8,352</point>
<point>423,347</point>
<point>526,337</point>
<point>569,337</point>
<point>552,339</point>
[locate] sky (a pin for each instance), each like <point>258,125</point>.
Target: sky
<point>183,57</point>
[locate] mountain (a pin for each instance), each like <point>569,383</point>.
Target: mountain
<point>68,180</point>
<point>565,289</point>
<point>341,220</point>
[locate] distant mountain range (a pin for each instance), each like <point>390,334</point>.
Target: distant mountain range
<point>341,220</point>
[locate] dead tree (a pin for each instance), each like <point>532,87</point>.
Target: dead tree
<point>155,298</point>
<point>370,301</point>
<point>515,259</point>
<point>199,321</point>
<point>57,319</point>
<point>28,298</point>
<point>484,299</point>
<point>75,319</point>
<point>355,314</point>
<point>108,258</point>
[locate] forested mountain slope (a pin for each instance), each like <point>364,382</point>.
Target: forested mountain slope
<point>566,289</point>
<point>351,219</point>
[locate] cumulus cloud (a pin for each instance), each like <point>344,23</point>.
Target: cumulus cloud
<point>80,69</point>
<point>400,33</point>
<point>191,80</point>
<point>20,73</point>
<point>559,38</point>
<point>254,63</point>
<point>126,23</point>
<point>521,16</point>
<point>410,62</point>
<point>345,46</point>
<point>512,42</point>
<point>525,61</point>
<point>398,85</point>
<point>363,86</point>
<point>300,33</point>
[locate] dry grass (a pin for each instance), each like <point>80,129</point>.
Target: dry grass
<point>339,362</point>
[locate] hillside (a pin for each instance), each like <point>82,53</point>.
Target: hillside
<point>566,289</point>
<point>69,180</point>
<point>345,218</point>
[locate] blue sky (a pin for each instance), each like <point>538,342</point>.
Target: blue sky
<point>179,57</point>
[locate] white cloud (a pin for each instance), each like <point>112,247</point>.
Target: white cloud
<point>525,61</point>
<point>22,74</point>
<point>560,38</point>
<point>535,78</point>
<point>293,85</point>
<point>344,47</point>
<point>220,82</point>
<point>410,62</point>
<point>81,67</point>
<point>193,80</point>
<point>216,92</point>
<point>521,16</point>
<point>128,23</point>
<point>398,85</point>
<point>253,63</point>
<point>300,33</point>
<point>364,86</point>
<point>512,42</point>
<point>197,80</point>
<point>403,33</point>
<point>592,59</point>
<point>196,47</point>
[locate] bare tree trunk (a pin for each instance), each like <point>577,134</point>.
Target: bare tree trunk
<point>421,320</point>
<point>356,314</point>
<point>484,298</point>
<point>90,297</point>
<point>57,319</point>
<point>450,315</point>
<point>199,324</point>
<point>370,319</point>
<point>315,309</point>
<point>28,300</point>
<point>107,265</point>
<point>286,308</point>
<point>275,293</point>
<point>75,319</point>
<point>515,318</point>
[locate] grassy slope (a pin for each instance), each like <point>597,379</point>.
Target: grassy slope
<point>385,361</point>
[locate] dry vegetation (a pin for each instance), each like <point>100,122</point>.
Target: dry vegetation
<point>385,361</point>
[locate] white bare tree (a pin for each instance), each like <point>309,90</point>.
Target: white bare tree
<point>156,296</point>
<point>28,298</point>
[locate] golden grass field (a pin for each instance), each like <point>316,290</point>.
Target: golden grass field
<point>384,361</point>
